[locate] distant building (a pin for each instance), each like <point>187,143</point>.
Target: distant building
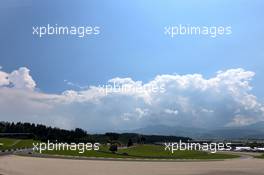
<point>243,148</point>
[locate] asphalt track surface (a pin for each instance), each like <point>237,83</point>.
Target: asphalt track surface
<point>24,165</point>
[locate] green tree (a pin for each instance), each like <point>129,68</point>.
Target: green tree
<point>113,148</point>
<point>129,143</point>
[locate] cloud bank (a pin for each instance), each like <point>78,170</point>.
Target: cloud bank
<point>188,100</point>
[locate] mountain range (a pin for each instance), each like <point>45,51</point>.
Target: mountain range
<point>254,131</point>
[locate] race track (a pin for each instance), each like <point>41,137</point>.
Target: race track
<point>18,165</point>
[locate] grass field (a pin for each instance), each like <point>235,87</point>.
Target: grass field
<point>140,151</point>
<point>145,151</point>
<point>15,143</point>
<point>262,156</point>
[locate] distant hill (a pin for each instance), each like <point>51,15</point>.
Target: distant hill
<point>44,133</point>
<point>168,130</point>
<point>255,131</point>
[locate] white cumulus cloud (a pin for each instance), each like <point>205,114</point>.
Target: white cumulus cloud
<point>190,100</point>
<point>19,79</point>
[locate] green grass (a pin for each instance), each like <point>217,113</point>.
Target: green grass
<point>261,157</point>
<point>154,151</point>
<point>103,152</point>
<point>9,143</point>
<point>145,151</point>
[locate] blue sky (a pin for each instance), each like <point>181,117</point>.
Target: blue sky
<point>132,41</point>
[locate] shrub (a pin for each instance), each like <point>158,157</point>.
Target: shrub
<point>113,148</point>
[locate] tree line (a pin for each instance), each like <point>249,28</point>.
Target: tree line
<point>44,133</point>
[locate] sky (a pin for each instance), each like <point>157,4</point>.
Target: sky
<point>53,79</point>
